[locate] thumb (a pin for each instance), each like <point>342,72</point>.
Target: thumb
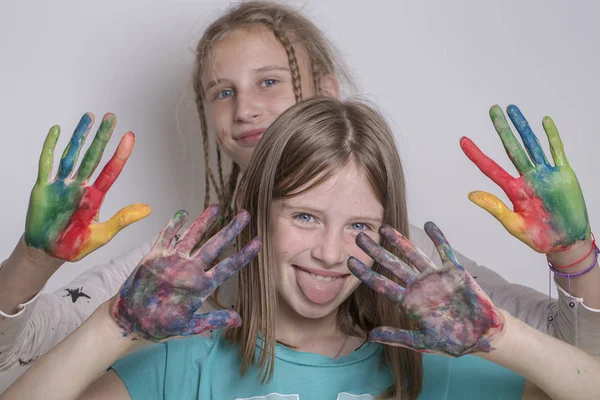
<point>213,320</point>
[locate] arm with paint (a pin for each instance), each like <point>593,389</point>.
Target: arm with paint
<point>456,318</point>
<point>157,302</point>
<point>550,213</point>
<point>61,222</point>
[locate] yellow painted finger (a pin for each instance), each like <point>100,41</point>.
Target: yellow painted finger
<point>100,234</point>
<point>511,221</point>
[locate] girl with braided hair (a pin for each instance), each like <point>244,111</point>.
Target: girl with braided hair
<point>253,63</point>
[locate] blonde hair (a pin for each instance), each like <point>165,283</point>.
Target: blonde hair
<point>291,29</point>
<point>305,146</point>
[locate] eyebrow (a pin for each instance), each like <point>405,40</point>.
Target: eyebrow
<point>268,68</point>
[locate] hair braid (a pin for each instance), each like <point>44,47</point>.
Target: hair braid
<point>293,61</point>
<point>316,79</point>
<point>208,174</point>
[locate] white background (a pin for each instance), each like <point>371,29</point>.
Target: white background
<point>433,67</point>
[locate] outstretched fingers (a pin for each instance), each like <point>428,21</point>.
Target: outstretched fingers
<point>511,144</point>
<point>231,265</point>
<point>196,231</point>
<point>170,230</point>
<point>385,258</point>
<point>372,279</point>
<point>441,243</point>
<point>71,153</point>
<point>529,139</point>
<point>215,245</point>
<point>412,252</point>
<point>47,156</point>
<point>488,166</point>
<point>556,144</point>
<point>113,168</point>
<point>399,337</point>
<point>221,319</point>
<point>93,155</point>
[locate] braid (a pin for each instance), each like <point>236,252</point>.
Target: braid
<point>208,174</point>
<point>293,61</point>
<point>315,77</point>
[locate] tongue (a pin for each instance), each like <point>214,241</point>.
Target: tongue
<point>318,291</point>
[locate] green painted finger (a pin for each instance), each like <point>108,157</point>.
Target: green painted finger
<point>94,154</point>
<point>511,144</point>
<point>556,144</point>
<point>47,156</point>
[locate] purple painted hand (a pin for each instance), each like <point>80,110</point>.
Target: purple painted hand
<point>159,298</point>
<point>454,314</point>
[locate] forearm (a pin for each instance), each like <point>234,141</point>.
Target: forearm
<point>68,369</point>
<point>560,370</point>
<point>23,275</point>
<point>585,286</point>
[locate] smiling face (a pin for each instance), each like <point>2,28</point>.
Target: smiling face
<point>313,235</point>
<point>248,84</point>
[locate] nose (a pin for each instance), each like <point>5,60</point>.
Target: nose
<point>330,249</point>
<point>248,107</point>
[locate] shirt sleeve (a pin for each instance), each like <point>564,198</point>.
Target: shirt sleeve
<point>45,320</point>
<point>571,322</point>
<point>143,372</point>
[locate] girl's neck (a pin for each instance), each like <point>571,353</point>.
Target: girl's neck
<point>314,335</point>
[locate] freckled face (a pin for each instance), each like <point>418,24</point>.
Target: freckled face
<point>248,84</point>
<point>313,236</point>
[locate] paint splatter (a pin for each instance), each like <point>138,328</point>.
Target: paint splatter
<point>549,209</point>
<point>455,315</point>
<point>160,297</point>
<point>62,214</point>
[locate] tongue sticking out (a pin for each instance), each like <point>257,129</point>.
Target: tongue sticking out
<point>317,290</point>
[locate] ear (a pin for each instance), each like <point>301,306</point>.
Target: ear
<point>330,86</point>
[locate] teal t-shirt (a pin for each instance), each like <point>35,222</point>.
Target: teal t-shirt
<point>208,368</point>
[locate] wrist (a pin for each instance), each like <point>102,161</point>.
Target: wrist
<point>576,258</point>
<point>23,275</point>
<point>106,330</point>
<point>496,334</point>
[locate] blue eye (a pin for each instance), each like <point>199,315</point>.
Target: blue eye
<point>224,94</point>
<point>268,82</point>
<point>306,218</point>
<point>359,226</point>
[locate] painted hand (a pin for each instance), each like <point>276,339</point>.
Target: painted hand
<point>549,210</point>
<point>62,218</point>
<point>454,314</point>
<point>159,298</point>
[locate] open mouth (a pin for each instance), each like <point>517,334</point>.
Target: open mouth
<point>319,289</point>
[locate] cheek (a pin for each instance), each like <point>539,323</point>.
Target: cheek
<point>357,252</point>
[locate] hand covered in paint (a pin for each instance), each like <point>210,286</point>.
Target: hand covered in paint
<point>454,314</point>
<point>62,218</point>
<point>159,298</point>
<point>549,210</point>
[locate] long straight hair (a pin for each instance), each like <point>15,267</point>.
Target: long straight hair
<point>306,145</point>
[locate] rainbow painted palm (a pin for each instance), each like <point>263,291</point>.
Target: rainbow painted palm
<point>62,214</point>
<point>160,298</point>
<point>549,210</point>
<point>454,315</point>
